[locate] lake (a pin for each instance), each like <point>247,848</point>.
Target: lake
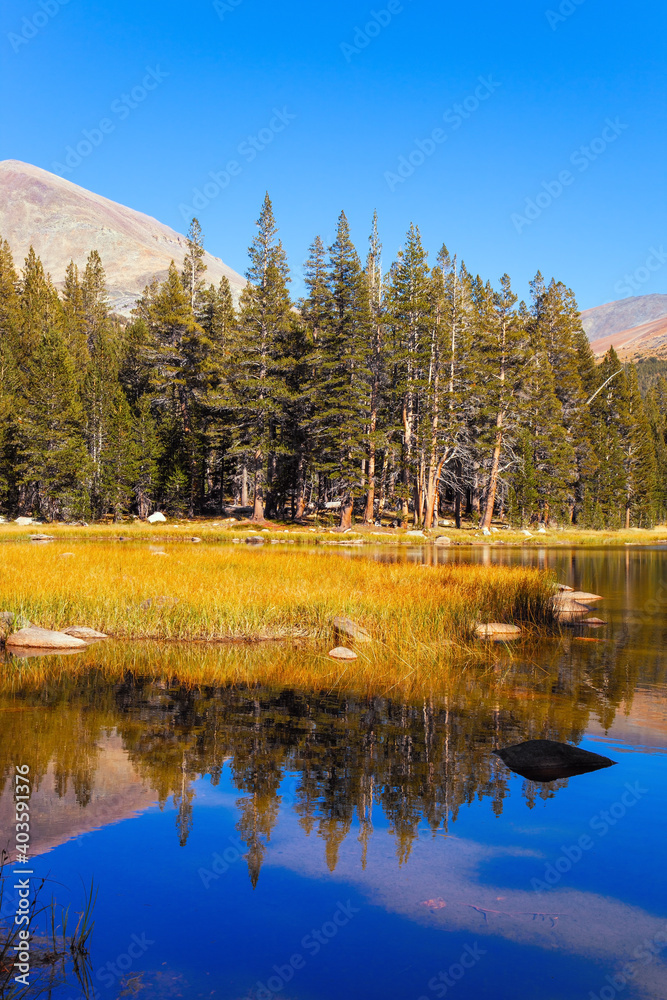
<point>250,842</point>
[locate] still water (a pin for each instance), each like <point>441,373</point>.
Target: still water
<point>257,843</point>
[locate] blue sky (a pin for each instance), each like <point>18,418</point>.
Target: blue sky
<point>554,159</point>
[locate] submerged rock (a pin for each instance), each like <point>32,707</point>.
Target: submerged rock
<point>342,653</point>
<point>83,632</point>
<point>42,638</point>
<point>547,760</point>
<point>491,630</point>
<point>345,627</point>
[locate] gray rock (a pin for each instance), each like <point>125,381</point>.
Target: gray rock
<point>547,760</point>
<point>83,632</point>
<point>346,628</point>
<point>9,619</point>
<point>443,540</point>
<point>41,538</point>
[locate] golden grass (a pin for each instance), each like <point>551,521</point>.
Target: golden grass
<point>471,676</point>
<point>212,530</point>
<point>210,592</point>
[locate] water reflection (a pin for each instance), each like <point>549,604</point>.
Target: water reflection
<point>276,804</point>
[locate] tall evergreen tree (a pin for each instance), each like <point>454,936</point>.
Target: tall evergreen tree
<point>54,454</point>
<point>261,361</point>
<point>194,267</point>
<point>343,392</point>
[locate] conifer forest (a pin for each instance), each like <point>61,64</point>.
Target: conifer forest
<point>396,393</point>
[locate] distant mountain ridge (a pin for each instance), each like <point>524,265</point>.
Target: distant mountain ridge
<point>64,222</point>
<point>634,327</point>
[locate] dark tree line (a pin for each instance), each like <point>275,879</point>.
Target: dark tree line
<point>403,392</point>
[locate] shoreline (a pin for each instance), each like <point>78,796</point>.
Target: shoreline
<point>276,533</point>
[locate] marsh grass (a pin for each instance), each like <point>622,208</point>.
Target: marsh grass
<point>317,533</point>
<point>54,952</point>
<point>253,593</point>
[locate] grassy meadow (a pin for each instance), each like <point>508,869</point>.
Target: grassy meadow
<point>250,593</point>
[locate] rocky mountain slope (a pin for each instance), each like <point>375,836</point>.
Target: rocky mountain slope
<point>65,222</point>
<point>634,327</point>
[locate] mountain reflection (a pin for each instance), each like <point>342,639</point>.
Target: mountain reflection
<point>419,762</point>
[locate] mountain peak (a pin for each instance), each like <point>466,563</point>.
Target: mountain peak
<point>64,222</point>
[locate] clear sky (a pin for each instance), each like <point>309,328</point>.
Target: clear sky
<point>321,103</point>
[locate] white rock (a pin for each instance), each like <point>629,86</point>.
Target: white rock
<point>415,534</point>
<point>23,521</point>
<point>485,531</point>
<point>42,638</point>
<point>342,653</point>
<point>156,518</point>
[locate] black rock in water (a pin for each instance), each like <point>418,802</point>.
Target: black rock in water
<point>547,760</point>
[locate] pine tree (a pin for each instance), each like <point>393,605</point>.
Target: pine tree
<point>40,306</point>
<point>376,362</point>
<point>120,465</point>
<point>449,383</point>
<point>178,352</point>
<point>609,486</point>
<point>147,456</point>
<point>194,267</point>
<point>74,321</point>
<point>261,361</point>
<point>638,446</point>
<point>504,354</point>
<point>10,323</point>
<point>343,392</point>
<point>410,315</point>
<point>55,460</point>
